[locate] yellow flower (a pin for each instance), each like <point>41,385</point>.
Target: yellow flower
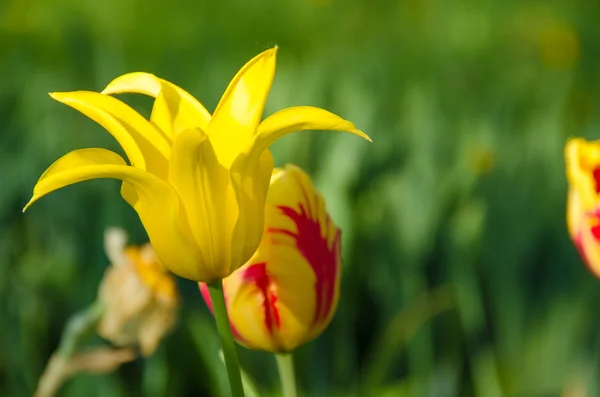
<point>198,182</point>
<point>583,203</point>
<point>287,293</point>
<point>139,296</point>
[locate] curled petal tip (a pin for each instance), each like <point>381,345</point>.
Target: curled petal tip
<point>134,82</point>
<point>57,96</point>
<point>362,134</point>
<point>33,200</point>
<point>271,52</point>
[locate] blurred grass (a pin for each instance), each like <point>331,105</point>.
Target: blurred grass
<point>468,103</point>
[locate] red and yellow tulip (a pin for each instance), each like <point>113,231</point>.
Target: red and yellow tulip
<point>287,293</point>
<point>583,203</point>
<point>197,181</point>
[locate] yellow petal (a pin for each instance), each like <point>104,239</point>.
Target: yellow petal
<point>204,186</point>
<point>175,109</point>
<point>71,168</point>
<point>240,109</point>
<point>297,217</point>
<point>250,183</point>
<point>123,123</point>
<point>582,162</point>
<point>137,82</point>
<point>157,204</point>
<point>296,119</point>
<point>272,311</point>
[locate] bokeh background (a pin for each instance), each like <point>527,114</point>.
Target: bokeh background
<point>459,276</point>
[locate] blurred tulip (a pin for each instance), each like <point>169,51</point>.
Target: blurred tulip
<point>197,181</point>
<point>583,203</point>
<point>287,293</point>
<point>138,294</point>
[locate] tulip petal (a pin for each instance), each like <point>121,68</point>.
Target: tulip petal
<point>70,169</point>
<point>582,160</point>
<point>174,110</point>
<point>297,218</point>
<point>123,123</point>
<point>240,109</point>
<point>157,203</point>
<point>254,309</point>
<point>250,183</point>
<point>296,119</point>
<point>204,185</point>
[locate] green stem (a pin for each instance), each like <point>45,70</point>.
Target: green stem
<point>226,337</point>
<point>79,327</point>
<point>285,365</point>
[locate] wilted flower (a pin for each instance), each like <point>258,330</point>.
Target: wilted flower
<point>287,293</point>
<point>198,182</point>
<point>138,294</point>
<point>583,204</point>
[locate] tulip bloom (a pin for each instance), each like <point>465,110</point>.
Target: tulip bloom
<point>287,293</point>
<point>583,203</point>
<point>197,181</point>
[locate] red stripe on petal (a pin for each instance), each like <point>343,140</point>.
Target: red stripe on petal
<point>257,274</point>
<point>596,174</point>
<point>314,248</point>
<point>596,232</point>
<point>594,217</point>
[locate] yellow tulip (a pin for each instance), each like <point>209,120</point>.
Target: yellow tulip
<point>583,203</point>
<point>287,293</point>
<point>198,182</point>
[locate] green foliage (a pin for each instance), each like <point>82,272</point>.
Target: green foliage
<point>468,104</point>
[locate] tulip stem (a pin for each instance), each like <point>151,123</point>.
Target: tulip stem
<point>285,365</point>
<point>227,343</point>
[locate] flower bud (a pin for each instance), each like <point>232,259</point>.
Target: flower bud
<point>139,295</point>
<point>583,203</point>
<point>287,293</point>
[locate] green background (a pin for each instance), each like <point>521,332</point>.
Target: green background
<point>459,275</point>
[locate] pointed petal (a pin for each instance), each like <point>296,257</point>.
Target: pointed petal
<point>300,118</point>
<point>123,123</point>
<point>203,185</point>
<point>172,113</point>
<point>137,82</point>
<point>238,114</point>
<point>157,203</point>
<point>70,169</point>
<point>175,109</point>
